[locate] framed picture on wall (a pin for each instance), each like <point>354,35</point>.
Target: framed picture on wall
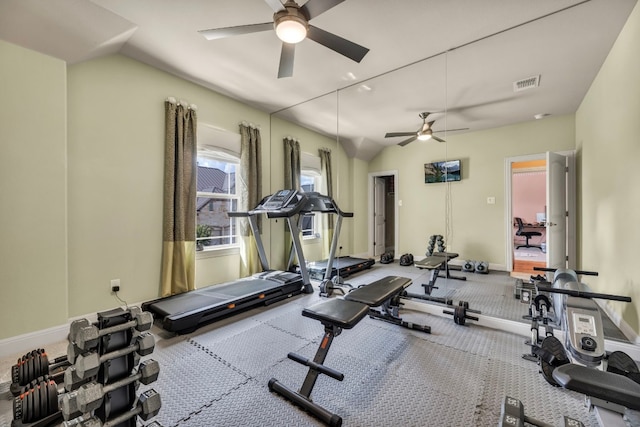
<point>442,171</point>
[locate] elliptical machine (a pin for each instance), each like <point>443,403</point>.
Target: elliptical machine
<point>610,382</point>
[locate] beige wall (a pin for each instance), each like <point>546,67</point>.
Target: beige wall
<point>476,229</point>
<point>100,122</point>
<point>116,151</point>
<point>33,223</point>
<point>607,135</point>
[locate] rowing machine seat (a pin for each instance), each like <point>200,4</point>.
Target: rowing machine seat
<point>602,385</point>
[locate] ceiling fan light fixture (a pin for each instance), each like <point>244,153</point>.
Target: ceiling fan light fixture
<point>291,29</point>
<point>424,136</point>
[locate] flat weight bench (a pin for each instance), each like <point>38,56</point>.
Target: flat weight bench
<point>336,315</point>
<point>439,261</point>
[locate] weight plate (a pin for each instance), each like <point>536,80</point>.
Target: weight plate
<point>459,315</point>
<point>23,368</point>
<point>52,391</point>
<point>17,408</point>
<point>36,364</point>
<point>36,403</point>
<point>27,406</point>
<point>29,368</point>
<point>44,399</point>
<point>44,363</point>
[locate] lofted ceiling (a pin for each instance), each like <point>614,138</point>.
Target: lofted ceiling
<point>457,59</point>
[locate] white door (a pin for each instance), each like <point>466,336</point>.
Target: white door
<point>556,210</point>
<point>379,217</point>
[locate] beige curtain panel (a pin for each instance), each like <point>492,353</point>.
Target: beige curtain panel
<point>250,195</point>
<point>291,164</point>
<point>327,174</point>
<point>179,229</point>
<point>292,172</point>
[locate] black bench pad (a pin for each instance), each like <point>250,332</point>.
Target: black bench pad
<point>436,260</point>
<point>431,262</point>
<point>339,312</point>
<point>447,255</point>
<point>599,384</point>
<point>379,291</point>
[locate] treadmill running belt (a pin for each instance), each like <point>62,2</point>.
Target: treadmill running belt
<point>186,312</point>
<point>344,266</point>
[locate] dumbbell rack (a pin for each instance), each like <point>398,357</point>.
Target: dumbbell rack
<point>118,348</point>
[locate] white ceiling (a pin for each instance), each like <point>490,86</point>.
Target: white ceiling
<point>458,56</point>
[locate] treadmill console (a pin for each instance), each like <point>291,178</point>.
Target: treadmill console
<point>279,200</point>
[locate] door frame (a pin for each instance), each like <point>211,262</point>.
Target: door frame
<point>371,182</point>
<point>571,205</point>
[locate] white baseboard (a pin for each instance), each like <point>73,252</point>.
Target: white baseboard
<point>22,344</point>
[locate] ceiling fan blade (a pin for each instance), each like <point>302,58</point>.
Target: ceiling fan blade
<point>344,47</point>
<point>276,5</point>
<point>286,60</point>
<point>450,130</point>
<point>220,33</point>
<point>392,134</point>
<point>406,141</point>
<point>437,139</point>
<point>313,8</point>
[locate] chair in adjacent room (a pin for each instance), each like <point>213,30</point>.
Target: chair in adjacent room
<point>526,234</point>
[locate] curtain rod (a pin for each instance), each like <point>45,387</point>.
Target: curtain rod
<point>182,102</point>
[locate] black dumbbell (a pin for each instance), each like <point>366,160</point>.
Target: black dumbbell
<point>33,365</point>
<point>38,401</point>
<point>87,365</point>
<point>89,397</point>
<point>85,336</point>
<point>149,405</point>
<point>512,415</point>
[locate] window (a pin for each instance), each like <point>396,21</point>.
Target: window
<point>217,194</point>
<point>310,181</point>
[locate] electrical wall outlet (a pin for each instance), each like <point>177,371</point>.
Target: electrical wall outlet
<point>115,285</point>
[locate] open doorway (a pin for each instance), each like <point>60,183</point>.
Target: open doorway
<point>528,206</point>
<point>383,213</point>
<point>554,219</point>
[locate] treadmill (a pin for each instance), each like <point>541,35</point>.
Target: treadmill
<point>186,312</point>
<point>330,271</point>
<point>343,266</point>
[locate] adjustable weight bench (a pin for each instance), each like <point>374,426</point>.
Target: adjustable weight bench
<point>385,293</point>
<point>336,315</point>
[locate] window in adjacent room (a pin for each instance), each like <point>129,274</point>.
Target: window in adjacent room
<point>218,165</point>
<point>310,181</point>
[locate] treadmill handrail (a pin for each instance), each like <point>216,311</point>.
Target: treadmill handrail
<point>311,195</point>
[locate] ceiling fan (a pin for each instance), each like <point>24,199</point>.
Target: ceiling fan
<point>291,23</point>
<point>423,134</point>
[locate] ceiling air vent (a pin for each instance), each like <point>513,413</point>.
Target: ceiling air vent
<point>528,83</point>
